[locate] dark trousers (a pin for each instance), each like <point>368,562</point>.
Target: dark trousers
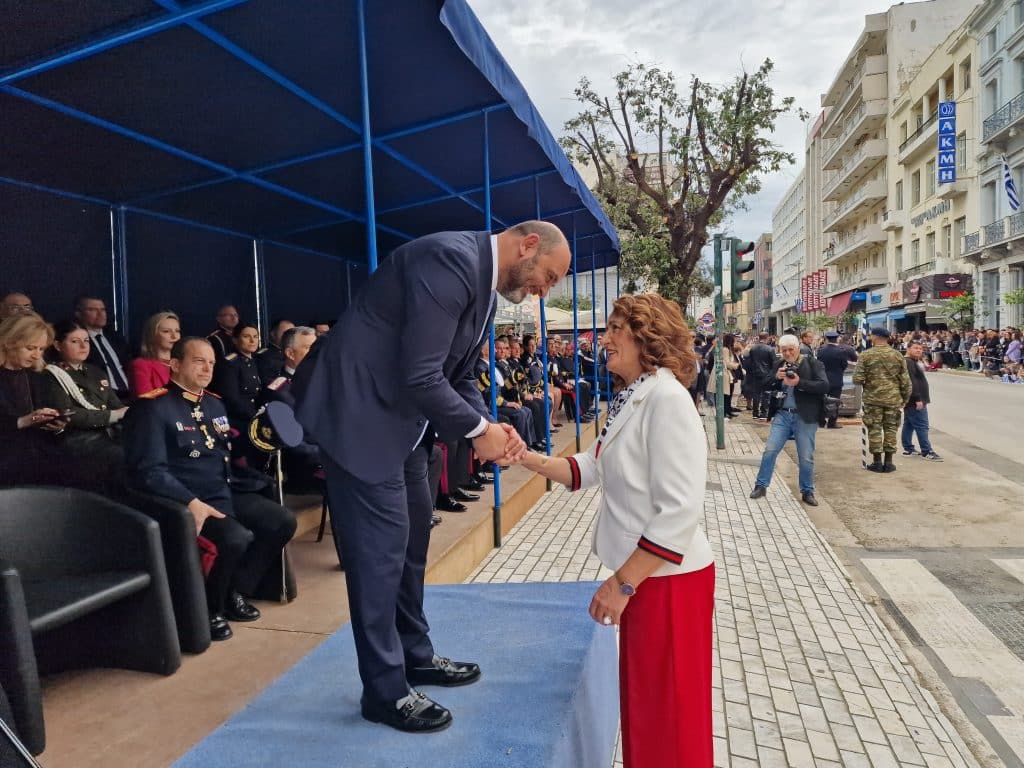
<point>522,420</point>
<point>833,414</point>
<point>249,542</point>
<point>456,470</point>
<point>383,530</point>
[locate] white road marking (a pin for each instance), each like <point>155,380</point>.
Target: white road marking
<point>963,643</point>
<point>1013,567</point>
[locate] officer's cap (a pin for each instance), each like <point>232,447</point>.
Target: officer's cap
<point>831,334</point>
<point>880,331</point>
<point>274,426</point>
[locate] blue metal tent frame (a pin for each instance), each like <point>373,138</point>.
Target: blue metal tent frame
<point>350,155</point>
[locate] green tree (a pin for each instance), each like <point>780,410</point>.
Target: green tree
<point>565,303</point>
<point>1014,297</point>
<point>822,323</point>
<point>959,310</point>
<point>671,168</point>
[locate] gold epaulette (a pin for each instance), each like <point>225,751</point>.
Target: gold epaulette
<point>154,393</point>
<point>232,356</point>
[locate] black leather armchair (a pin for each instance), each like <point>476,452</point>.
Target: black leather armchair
<point>185,576</point>
<point>82,583</point>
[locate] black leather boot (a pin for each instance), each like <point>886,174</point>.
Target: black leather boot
<point>876,465</point>
<point>888,466</point>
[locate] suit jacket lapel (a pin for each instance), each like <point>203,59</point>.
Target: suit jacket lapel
<point>634,404</point>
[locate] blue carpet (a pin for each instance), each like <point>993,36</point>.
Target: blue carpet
<point>548,697</point>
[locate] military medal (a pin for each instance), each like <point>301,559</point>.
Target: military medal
<point>197,413</point>
<point>195,454</point>
<point>210,442</point>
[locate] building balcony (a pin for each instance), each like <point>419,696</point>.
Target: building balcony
<point>951,191</point>
<point>855,243</point>
<point>870,43</point>
<point>863,198</point>
<point>852,281</point>
<point>924,138</point>
<point>868,117</point>
<point>893,220</point>
<point>918,271</point>
<point>857,166</point>
<point>995,240</point>
<point>1004,123</point>
<point>869,81</point>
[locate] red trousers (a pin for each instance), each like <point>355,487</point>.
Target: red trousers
<point>665,672</point>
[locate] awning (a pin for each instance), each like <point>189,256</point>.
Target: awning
<point>877,317</point>
<point>897,314</point>
<point>839,303</point>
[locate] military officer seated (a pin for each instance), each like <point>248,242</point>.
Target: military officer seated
<point>177,445</point>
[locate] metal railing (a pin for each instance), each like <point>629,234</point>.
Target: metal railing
<point>920,269</point>
<point>1006,115</point>
<point>849,204</point>
<point>848,127</point>
<point>834,181</point>
<point>994,231</point>
<point>920,129</point>
<point>972,242</point>
<point>1008,228</point>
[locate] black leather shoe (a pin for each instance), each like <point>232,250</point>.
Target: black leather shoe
<point>219,628</point>
<point>435,520</point>
<point>239,609</point>
<point>444,672</point>
<point>448,504</point>
<point>808,499</point>
<point>460,495</point>
<point>875,466</point>
<point>484,478</point>
<point>540,446</point>
<point>758,492</point>
<point>472,485</point>
<point>418,714</point>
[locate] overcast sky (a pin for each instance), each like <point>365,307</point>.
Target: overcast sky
<point>551,44</point>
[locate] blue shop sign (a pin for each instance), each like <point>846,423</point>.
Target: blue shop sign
<point>897,314</point>
<point>859,296</point>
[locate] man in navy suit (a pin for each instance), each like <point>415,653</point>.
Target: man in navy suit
<point>395,369</point>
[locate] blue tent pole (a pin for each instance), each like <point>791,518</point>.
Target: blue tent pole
<point>259,274</point>
<point>607,373</point>
<point>593,345</point>
<point>496,518</point>
<point>575,338</point>
<point>364,85</point>
<point>618,281</point>
<point>544,348</point>
<point>119,268</point>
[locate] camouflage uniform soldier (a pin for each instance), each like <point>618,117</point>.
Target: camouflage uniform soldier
<point>882,372</point>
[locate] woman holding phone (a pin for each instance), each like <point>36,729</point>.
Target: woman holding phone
<point>28,427</point>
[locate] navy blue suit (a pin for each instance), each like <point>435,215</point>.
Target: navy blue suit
<point>401,356</point>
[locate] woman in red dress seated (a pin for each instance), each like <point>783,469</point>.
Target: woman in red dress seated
<point>152,369</point>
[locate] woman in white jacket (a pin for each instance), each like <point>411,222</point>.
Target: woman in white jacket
<point>651,464</point>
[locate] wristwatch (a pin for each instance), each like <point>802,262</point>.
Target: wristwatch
<point>625,587</point>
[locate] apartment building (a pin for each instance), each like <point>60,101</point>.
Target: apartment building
<point>857,144</point>
<point>927,217</point>
<point>762,291</point>
<point>996,248</point>
<point>789,251</point>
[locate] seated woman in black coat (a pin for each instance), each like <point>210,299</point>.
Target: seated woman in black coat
<point>28,428</point>
<point>93,409</point>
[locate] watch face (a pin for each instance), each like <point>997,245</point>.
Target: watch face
<point>627,589</point>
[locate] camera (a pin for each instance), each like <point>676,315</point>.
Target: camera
<point>790,371</point>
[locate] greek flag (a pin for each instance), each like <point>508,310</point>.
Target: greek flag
<point>1011,188</point>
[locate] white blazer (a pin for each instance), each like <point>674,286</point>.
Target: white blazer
<point>651,464</point>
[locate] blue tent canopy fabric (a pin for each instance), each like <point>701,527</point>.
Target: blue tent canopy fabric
<point>243,119</point>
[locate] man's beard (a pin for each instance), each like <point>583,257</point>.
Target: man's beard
<point>515,289</point>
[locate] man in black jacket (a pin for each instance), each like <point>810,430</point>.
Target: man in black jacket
<point>915,412</point>
<point>801,384</point>
<point>762,368</point>
<point>836,358</point>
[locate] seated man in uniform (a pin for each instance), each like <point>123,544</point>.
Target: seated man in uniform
<point>177,446</point>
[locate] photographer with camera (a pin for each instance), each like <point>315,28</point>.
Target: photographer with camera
<point>799,385</point>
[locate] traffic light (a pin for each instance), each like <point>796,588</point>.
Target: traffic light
<point>740,266</point>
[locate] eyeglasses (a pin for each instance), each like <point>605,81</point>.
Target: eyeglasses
<point>18,308</point>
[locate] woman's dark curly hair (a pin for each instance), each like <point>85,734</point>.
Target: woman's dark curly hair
<point>658,327</point>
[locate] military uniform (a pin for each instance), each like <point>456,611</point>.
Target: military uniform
<point>223,343</point>
<point>177,445</point>
<point>882,372</point>
<point>836,358</point>
<point>520,418</point>
<point>89,437</point>
<point>300,463</point>
<point>527,396</point>
<point>237,381</point>
<point>269,363</point>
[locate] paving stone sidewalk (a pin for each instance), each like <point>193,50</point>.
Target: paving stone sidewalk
<point>805,673</point>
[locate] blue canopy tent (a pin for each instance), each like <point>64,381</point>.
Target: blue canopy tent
<point>188,153</point>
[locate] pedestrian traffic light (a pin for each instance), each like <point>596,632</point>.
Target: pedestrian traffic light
<point>740,266</point>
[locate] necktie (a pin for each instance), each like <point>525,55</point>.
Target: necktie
<point>113,371</point>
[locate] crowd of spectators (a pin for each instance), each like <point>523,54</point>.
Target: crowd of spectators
<point>990,352</point>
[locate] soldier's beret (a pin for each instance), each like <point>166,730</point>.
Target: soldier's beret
<point>274,426</point>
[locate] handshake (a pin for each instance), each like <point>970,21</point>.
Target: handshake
<point>500,443</point>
